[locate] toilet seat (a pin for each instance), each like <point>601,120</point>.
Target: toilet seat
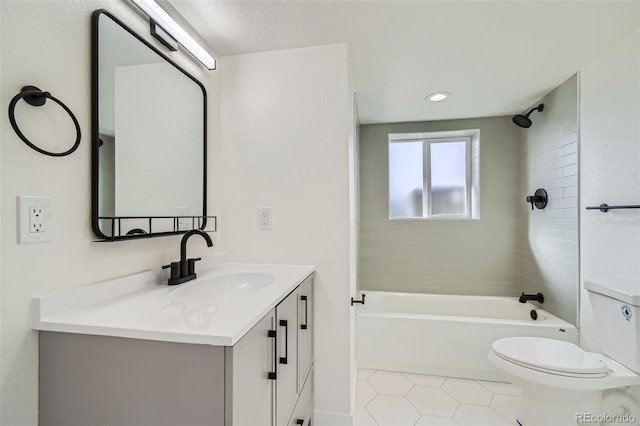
<point>551,356</point>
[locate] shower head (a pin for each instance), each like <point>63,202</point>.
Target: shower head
<point>523,120</point>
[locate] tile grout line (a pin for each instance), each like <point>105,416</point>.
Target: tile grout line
<point>498,393</point>
<point>455,411</point>
<point>370,414</point>
<point>468,403</point>
<point>498,413</point>
<point>412,404</point>
<point>365,406</point>
<point>421,414</point>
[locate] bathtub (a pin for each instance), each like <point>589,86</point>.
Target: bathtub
<point>445,335</point>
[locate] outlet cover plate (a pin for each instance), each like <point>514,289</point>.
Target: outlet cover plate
<point>264,218</point>
<point>182,211</point>
<point>44,225</point>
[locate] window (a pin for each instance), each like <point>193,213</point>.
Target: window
<point>433,177</point>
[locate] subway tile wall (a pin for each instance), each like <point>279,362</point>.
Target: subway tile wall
<point>510,249</point>
<point>476,257</point>
<point>549,237</point>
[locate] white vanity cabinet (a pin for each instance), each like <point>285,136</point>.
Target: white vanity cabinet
<point>249,381</point>
<point>287,357</point>
<point>305,331</point>
<point>269,368</point>
<point>264,379</point>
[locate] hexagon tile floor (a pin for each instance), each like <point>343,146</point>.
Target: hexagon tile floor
<point>387,398</point>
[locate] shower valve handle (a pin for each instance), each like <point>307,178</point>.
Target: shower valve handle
<point>539,199</point>
<point>532,199</point>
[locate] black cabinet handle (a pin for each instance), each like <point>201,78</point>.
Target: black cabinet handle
<point>284,323</point>
<point>273,375</point>
<point>306,312</point>
<point>300,421</point>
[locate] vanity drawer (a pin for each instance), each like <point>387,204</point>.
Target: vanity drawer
<point>304,406</point>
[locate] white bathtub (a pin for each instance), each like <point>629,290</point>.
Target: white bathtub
<point>445,335</point>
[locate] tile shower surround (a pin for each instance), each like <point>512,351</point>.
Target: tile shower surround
<point>549,237</point>
<point>510,249</point>
<point>475,257</point>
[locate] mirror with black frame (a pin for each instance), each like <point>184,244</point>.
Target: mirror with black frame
<point>149,138</point>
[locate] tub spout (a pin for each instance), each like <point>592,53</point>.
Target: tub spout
<point>536,297</point>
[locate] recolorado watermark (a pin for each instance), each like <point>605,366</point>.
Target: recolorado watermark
<point>586,418</point>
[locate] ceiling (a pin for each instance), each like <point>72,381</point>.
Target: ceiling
<point>495,57</point>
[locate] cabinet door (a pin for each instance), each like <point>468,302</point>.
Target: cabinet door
<point>305,330</point>
<point>287,382</point>
<point>251,385</point>
<point>302,413</point>
<point>308,417</point>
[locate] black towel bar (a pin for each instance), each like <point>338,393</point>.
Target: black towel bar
<point>605,207</point>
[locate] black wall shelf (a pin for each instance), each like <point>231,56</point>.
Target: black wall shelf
<point>189,223</point>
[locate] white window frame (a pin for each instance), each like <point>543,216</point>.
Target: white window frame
<point>427,214</point>
<point>426,188</point>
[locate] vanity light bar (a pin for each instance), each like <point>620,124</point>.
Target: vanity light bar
<point>164,37</point>
<point>162,19</point>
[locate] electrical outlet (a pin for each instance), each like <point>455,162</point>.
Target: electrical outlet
<point>182,211</point>
<point>36,219</point>
<point>264,218</point>
<point>35,223</point>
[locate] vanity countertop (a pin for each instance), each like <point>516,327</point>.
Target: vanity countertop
<point>143,306</point>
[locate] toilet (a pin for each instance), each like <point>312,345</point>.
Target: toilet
<point>564,385</point>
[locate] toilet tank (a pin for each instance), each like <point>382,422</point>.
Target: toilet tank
<point>617,317</point>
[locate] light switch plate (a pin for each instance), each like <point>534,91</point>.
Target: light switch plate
<point>35,224</point>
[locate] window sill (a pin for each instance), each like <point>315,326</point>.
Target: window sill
<point>455,218</point>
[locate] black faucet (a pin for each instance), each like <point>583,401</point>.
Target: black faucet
<point>185,270</point>
<point>537,297</point>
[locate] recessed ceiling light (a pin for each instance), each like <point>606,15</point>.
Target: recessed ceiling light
<point>438,96</point>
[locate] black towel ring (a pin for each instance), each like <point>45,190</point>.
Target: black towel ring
<point>36,97</point>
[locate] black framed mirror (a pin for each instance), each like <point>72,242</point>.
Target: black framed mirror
<point>149,138</point>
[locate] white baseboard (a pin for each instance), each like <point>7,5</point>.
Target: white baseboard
<point>326,418</point>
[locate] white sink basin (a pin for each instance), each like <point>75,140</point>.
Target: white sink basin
<point>223,287</point>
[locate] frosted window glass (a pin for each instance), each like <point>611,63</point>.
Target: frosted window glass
<point>448,178</point>
<point>405,179</point>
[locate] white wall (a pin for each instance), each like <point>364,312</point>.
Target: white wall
<point>354,220</point>
<point>47,44</point>
<point>609,172</point>
<point>478,257</point>
<point>549,236</point>
<point>2,61</point>
<point>286,119</point>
